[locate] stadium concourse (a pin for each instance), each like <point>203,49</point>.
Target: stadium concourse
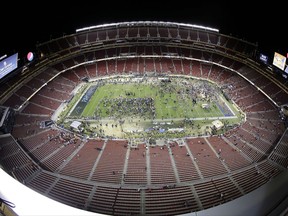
<point>203,174</point>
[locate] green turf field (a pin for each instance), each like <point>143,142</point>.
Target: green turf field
<point>169,101</point>
<point>142,103</point>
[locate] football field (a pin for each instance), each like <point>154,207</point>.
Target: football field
<point>142,104</point>
<point>112,100</point>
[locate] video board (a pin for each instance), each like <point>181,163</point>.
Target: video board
<point>8,65</point>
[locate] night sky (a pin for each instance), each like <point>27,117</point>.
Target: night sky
<point>31,23</point>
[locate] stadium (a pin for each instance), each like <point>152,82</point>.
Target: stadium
<point>148,118</point>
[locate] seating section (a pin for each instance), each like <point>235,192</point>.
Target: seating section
<point>136,172</point>
<point>280,152</point>
<point>110,168</point>
<point>15,160</point>
<point>80,163</point>
<point>205,158</point>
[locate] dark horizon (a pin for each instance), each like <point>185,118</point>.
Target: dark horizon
<point>38,26</point>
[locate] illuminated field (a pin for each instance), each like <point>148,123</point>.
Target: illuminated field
<point>158,107</point>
